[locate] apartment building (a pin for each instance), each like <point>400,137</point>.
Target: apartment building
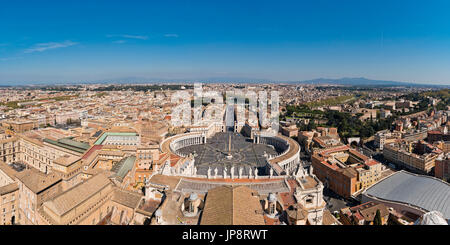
<point>345,170</point>
<point>385,137</point>
<point>20,126</point>
<point>8,194</point>
<point>34,188</point>
<point>442,167</point>
<point>364,214</point>
<point>419,156</point>
<point>8,204</point>
<point>41,152</point>
<point>9,146</point>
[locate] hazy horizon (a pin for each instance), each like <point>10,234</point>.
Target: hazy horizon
<point>155,80</point>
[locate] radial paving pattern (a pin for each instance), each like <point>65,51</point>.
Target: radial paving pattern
<point>218,149</point>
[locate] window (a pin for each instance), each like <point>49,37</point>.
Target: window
<point>121,216</point>
<point>309,200</point>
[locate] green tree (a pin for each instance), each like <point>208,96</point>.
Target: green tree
<point>311,125</point>
<point>377,219</point>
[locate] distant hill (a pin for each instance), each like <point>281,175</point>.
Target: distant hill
<point>361,81</point>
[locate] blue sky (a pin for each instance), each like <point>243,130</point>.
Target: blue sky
<point>59,41</point>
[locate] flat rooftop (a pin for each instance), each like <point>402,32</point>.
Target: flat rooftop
<point>203,186</point>
<point>100,140</point>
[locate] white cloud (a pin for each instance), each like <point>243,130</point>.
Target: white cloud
<point>41,47</point>
<point>171,35</point>
<point>120,41</point>
<point>136,37</point>
<point>129,36</point>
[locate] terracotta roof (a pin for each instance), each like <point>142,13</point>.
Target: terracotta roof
<point>76,195</point>
<point>333,149</point>
<point>372,162</point>
<point>369,213</point>
<point>8,188</point>
<point>358,216</point>
<point>328,218</point>
<point>66,160</point>
<point>149,206</point>
<point>349,172</point>
<point>271,221</point>
<point>93,149</point>
<point>358,154</point>
<point>227,205</point>
<point>8,170</point>
<point>170,181</point>
<point>174,159</point>
<point>368,210</point>
<point>37,181</point>
<point>126,198</point>
<point>434,132</point>
<point>121,129</point>
<point>297,212</point>
<point>95,171</point>
<point>308,182</point>
<point>111,153</point>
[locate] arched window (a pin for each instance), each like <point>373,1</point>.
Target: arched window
<point>272,208</point>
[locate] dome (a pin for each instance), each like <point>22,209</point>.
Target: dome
<point>432,218</point>
<point>193,196</point>
<point>272,197</point>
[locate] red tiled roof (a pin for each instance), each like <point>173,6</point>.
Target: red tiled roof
<point>270,221</point>
<point>434,132</point>
<point>174,159</point>
<point>371,162</point>
<point>92,150</point>
<point>358,216</point>
<point>287,199</point>
<point>334,149</point>
<point>358,154</point>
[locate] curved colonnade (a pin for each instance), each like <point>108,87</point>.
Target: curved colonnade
<point>284,163</point>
